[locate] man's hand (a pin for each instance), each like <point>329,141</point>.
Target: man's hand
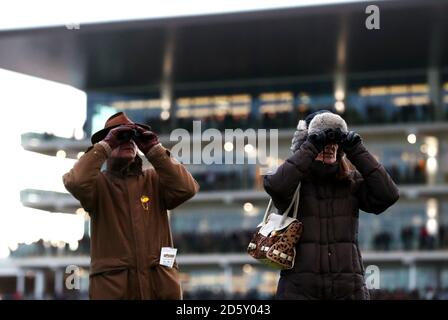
<point>351,141</point>
<point>146,140</point>
<point>113,137</point>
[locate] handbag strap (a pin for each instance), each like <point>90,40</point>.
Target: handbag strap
<point>295,202</point>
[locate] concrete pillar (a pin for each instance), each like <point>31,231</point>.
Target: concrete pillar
<point>166,87</point>
<point>435,91</point>
<point>412,275</point>
<point>228,276</point>
<point>39,285</point>
<point>340,82</point>
<point>20,284</point>
<point>58,282</point>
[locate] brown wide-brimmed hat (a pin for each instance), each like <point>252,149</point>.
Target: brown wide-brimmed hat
<point>114,121</point>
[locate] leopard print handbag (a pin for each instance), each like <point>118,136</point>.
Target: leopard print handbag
<point>276,237</point>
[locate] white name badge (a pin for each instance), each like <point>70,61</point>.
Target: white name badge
<point>167,256</point>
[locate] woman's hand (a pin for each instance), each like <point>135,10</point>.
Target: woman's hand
<point>350,142</point>
<point>318,139</point>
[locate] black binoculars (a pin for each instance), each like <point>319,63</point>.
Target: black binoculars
<point>127,135</point>
<point>334,135</point>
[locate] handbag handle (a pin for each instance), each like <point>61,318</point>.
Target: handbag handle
<point>295,201</point>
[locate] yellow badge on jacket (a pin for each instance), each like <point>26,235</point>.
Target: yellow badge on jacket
<point>145,202</point>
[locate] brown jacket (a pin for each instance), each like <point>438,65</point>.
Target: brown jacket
<point>126,237</point>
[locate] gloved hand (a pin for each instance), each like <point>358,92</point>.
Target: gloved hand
<point>113,137</point>
<point>318,139</point>
<point>146,140</point>
<point>296,141</point>
<point>350,141</point>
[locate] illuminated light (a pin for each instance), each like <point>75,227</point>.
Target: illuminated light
<point>202,100</point>
<point>339,106</point>
<point>431,165</point>
<point>378,91</point>
<point>61,154</point>
<point>432,226</point>
<point>244,110</point>
<point>420,88</point>
<point>433,146</point>
<point>398,89</point>
<point>248,148</point>
<point>165,115</point>
<point>431,208</point>
<point>401,101</point>
<point>80,154</point>
<point>414,100</point>
<point>222,103</point>
<point>339,95</point>
<point>165,104</point>
<point>432,151</point>
<point>419,100</point>
<point>228,146</point>
<point>73,245</point>
<point>80,212</point>
<point>241,98</point>
<point>364,92</point>
<point>183,113</point>
<point>248,207</point>
<point>183,102</point>
<point>276,108</point>
<point>247,268</point>
<point>412,138</point>
<point>137,104</point>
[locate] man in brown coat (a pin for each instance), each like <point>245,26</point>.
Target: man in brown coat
<point>128,209</point>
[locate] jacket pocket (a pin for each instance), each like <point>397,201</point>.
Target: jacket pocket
<point>109,285</point>
<point>166,283</point>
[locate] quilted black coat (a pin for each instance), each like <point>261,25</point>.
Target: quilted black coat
<point>328,262</point>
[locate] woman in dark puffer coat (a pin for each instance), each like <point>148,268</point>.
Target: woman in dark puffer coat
<point>328,263</point>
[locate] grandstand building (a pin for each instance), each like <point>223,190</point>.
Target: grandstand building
<point>253,70</point>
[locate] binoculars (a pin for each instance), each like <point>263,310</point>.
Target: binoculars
<point>334,135</point>
<point>125,136</point>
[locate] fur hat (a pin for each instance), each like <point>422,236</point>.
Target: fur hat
<point>319,120</point>
<point>327,120</point>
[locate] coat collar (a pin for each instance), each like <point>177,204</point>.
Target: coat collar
<point>116,168</point>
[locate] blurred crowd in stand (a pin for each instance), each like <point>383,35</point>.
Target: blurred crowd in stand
<point>410,238</point>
